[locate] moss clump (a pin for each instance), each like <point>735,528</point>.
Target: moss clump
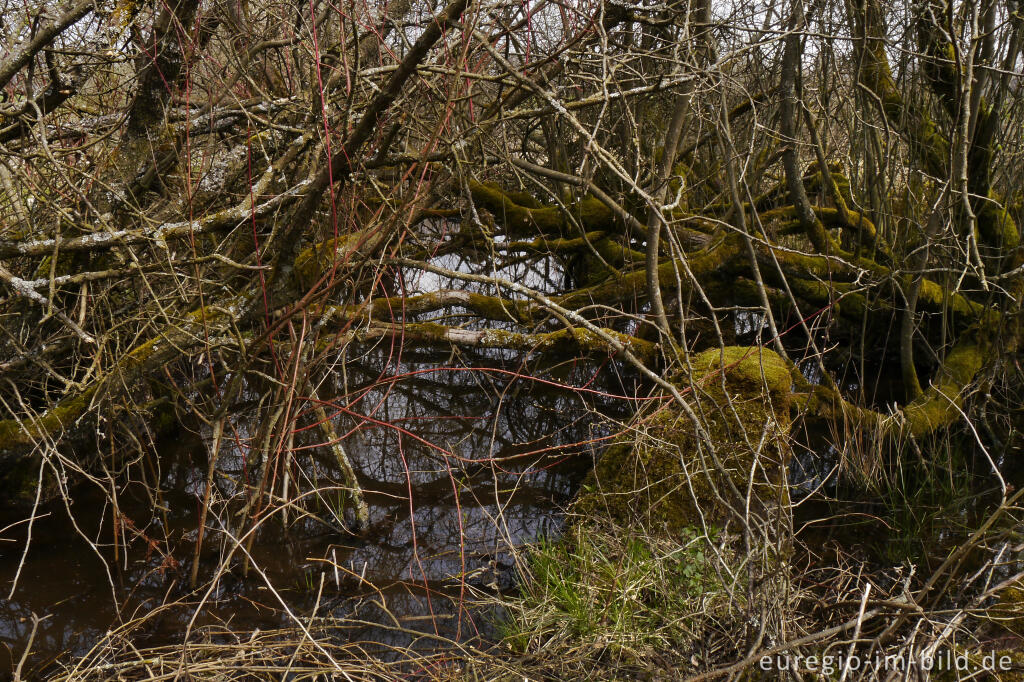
<point>747,368</point>
<point>641,567</point>
<point>1008,610</point>
<point>667,478</point>
<point>996,226</point>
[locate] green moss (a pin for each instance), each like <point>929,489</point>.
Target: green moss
<point>616,253</point>
<point>932,296</point>
<point>806,265</point>
<point>843,298</point>
<point>1008,611</point>
<point>163,418</point>
<point>996,227</point>
<point>747,368</point>
<point>939,67</point>
<point>514,217</point>
<point>20,476</point>
<point>941,404</point>
<point>314,261</point>
<point>21,483</point>
<point>489,307</point>
<point>819,279</point>
<point>523,199</point>
<point>593,214</point>
<point>18,437</point>
<point>666,479</point>
<point>930,146</point>
<point>17,434</point>
<point>495,308</point>
<point>546,245</point>
<point>517,218</point>
<point>716,257</point>
<point>825,403</point>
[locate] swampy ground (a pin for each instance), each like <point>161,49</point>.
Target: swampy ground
<point>493,339</point>
<point>439,521</point>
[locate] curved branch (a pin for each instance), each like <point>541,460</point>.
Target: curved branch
<point>44,36</point>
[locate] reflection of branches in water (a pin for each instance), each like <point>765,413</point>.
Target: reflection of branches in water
<point>255,217</point>
<point>541,272</point>
<point>477,415</point>
<point>485,416</point>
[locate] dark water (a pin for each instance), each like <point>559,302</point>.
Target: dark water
<point>459,468</point>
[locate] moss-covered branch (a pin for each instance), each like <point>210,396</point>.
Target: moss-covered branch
<point>19,437</point>
<point>941,403</point>
<point>938,407</point>
<point>488,307</point>
<point>521,218</point>
<point>560,342</point>
<point>929,145</point>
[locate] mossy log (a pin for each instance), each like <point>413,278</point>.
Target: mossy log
<point>723,255</point>
<point>942,403</point>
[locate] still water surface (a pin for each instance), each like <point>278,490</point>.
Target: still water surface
<point>447,445</point>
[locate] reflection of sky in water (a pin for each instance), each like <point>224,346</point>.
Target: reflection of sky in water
<point>541,275</point>
<point>469,512</point>
<point>486,458</point>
